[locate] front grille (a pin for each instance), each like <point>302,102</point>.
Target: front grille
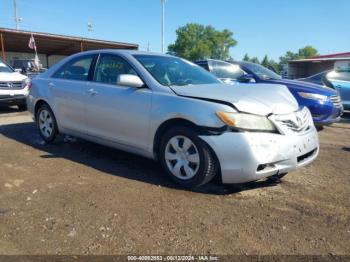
<point>336,100</point>
<point>12,85</point>
<point>297,122</point>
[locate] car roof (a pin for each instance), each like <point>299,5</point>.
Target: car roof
<point>123,51</point>
<point>243,63</point>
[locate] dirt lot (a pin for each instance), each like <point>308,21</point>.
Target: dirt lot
<point>76,197</point>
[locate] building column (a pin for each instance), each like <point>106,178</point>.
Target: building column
<point>81,46</point>
<point>2,47</point>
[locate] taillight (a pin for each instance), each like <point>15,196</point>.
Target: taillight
<point>30,85</point>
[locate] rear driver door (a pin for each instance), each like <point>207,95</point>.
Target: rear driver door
<point>68,88</point>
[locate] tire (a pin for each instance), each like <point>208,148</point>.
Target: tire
<point>319,128</point>
<point>46,123</point>
<point>187,160</point>
<point>22,107</point>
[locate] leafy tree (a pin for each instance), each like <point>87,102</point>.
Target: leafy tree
<point>307,51</point>
<point>246,58</point>
<point>270,64</point>
<point>288,56</point>
<point>255,60</point>
<point>265,62</point>
<point>195,41</point>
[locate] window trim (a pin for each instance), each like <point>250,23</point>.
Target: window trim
<point>72,61</point>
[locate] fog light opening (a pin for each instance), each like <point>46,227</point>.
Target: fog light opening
<point>265,167</point>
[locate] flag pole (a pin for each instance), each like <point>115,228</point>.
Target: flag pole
<point>163,18</point>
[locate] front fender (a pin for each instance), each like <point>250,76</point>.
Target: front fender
<point>202,113</point>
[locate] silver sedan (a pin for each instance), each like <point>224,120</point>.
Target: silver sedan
<point>166,108</point>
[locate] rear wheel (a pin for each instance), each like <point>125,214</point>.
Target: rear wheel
<point>186,158</point>
<point>46,123</point>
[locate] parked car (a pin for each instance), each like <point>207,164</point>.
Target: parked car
<point>13,87</point>
<point>166,108</point>
<point>324,103</point>
<point>336,79</point>
<point>27,67</point>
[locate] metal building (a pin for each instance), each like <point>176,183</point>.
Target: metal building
<point>306,67</point>
<point>51,47</point>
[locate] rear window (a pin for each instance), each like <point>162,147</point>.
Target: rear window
<point>76,69</point>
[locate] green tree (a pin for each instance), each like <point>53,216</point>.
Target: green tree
<point>307,51</point>
<point>246,58</point>
<point>195,41</point>
<point>255,60</point>
<point>265,62</point>
<point>288,56</point>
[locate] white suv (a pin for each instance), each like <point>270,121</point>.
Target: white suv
<point>13,87</point>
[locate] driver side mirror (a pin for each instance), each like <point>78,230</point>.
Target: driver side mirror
<point>246,78</point>
<point>130,81</point>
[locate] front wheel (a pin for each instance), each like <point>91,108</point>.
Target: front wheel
<point>22,107</point>
<point>186,158</point>
<point>46,123</point>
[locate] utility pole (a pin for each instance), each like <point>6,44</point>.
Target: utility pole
<point>163,18</point>
<point>17,19</point>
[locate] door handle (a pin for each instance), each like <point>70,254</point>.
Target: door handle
<point>338,86</point>
<point>51,85</point>
<point>92,92</point>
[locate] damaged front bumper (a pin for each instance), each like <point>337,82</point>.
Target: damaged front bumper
<point>251,156</point>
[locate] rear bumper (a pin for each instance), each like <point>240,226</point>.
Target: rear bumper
<point>246,157</point>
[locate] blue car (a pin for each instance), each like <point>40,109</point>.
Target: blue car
<point>323,102</point>
<point>336,79</point>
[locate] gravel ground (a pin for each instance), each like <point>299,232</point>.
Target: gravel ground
<point>75,197</point>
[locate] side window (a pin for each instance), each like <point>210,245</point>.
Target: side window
<point>109,67</point>
<point>78,69</point>
<point>227,70</point>
<point>204,65</point>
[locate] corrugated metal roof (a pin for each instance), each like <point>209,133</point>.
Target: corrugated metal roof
<point>319,59</point>
<point>47,43</point>
<point>337,55</point>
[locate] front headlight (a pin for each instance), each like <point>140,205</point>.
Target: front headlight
<point>246,121</point>
<point>25,82</point>
<point>313,96</point>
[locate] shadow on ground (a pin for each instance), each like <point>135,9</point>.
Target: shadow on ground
<point>113,162</point>
<point>8,109</point>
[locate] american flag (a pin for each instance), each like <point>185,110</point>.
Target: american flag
<point>31,43</point>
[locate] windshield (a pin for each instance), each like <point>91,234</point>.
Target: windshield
<point>173,71</point>
<point>262,72</point>
<point>5,68</point>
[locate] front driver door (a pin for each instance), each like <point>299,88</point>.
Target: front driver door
<point>117,113</point>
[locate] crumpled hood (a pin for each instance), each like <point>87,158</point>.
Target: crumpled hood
<point>259,99</point>
<point>12,77</point>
